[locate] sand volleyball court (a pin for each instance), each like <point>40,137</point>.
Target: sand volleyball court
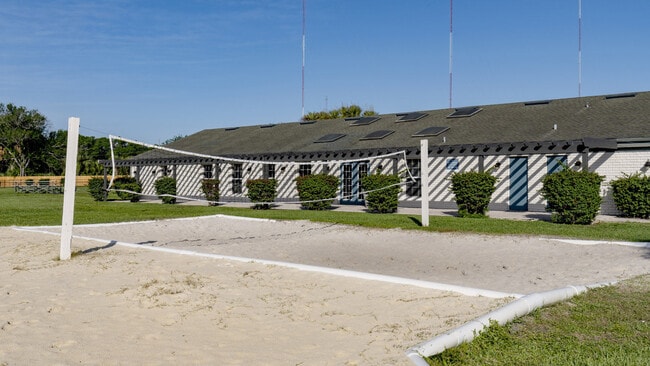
<point>116,304</point>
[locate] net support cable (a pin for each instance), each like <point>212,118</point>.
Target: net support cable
<point>409,176</point>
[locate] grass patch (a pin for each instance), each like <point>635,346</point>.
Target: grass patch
<point>45,209</point>
<point>604,326</point>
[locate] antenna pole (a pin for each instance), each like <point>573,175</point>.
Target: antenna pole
<point>451,7</point>
<point>579,48</point>
<point>303,59</point>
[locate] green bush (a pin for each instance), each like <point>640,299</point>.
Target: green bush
<point>261,192</point>
<point>378,199</point>
<point>210,188</point>
<point>473,191</point>
<point>127,184</point>
<point>166,186</point>
<point>321,188</point>
<point>96,189</point>
<point>632,195</point>
<point>572,197</point>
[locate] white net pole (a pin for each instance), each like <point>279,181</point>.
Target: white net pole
<point>424,180</point>
<point>69,188</point>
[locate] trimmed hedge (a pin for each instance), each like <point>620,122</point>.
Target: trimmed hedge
<point>321,188</point>
<point>210,188</point>
<point>632,195</point>
<point>381,200</point>
<point>96,189</point>
<point>129,184</point>
<point>166,185</point>
<point>261,192</point>
<point>473,191</point>
<point>572,197</point>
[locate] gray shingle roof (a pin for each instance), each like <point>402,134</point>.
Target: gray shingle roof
<point>561,119</point>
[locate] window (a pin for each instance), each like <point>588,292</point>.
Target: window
<point>363,172</point>
<point>269,171</point>
<point>304,169</point>
<point>413,186</point>
<point>452,164</point>
<point>237,171</point>
<point>207,171</point>
<point>555,163</point>
<point>163,170</point>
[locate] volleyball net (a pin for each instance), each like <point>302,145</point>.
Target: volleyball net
<point>190,168</point>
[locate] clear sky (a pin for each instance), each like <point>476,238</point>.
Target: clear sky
<point>152,70</point>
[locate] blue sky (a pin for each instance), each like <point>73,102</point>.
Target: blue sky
<point>151,70</point>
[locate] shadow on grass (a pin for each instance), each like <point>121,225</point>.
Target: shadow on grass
<point>417,221</point>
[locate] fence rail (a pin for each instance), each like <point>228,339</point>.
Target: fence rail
<point>10,182</point>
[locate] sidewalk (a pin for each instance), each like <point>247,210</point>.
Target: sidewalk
<point>509,215</point>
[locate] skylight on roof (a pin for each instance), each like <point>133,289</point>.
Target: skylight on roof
<point>330,137</point>
<point>377,135</point>
<point>431,131</point>
<point>361,121</point>
<point>619,96</point>
<point>231,128</point>
<point>465,112</point>
<point>408,117</point>
<point>267,126</point>
<point>307,122</point>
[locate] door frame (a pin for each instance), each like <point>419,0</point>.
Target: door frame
<point>351,184</point>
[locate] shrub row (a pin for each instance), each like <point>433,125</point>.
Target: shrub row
<point>210,188</point>
<point>317,191</point>
<point>261,192</point>
<point>166,188</point>
<point>379,198</point>
<point>473,191</point>
<point>632,195</point>
<point>573,197</point>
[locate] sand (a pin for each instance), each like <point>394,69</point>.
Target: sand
<point>116,305</point>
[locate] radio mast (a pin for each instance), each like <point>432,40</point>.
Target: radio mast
<point>303,59</point>
<point>451,32</point>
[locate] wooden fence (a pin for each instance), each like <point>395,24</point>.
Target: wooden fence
<point>10,182</point>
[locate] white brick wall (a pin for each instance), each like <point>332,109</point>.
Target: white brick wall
<point>614,165</point>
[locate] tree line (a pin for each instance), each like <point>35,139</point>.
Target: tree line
<point>346,111</point>
<point>28,148</point>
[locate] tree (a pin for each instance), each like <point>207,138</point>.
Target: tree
<point>343,112</point>
<point>22,135</point>
<point>173,139</point>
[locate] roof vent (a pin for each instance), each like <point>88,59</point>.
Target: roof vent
<point>377,135</point>
<point>267,126</point>
<point>619,96</point>
<point>361,121</point>
<point>431,131</point>
<point>538,102</point>
<point>231,128</point>
<point>330,137</point>
<point>465,112</point>
<point>307,122</point>
<point>408,117</point>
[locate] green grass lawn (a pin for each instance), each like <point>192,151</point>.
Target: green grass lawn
<point>45,209</point>
<point>608,326</point>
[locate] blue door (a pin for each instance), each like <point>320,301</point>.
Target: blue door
<point>519,184</point>
<point>351,174</point>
